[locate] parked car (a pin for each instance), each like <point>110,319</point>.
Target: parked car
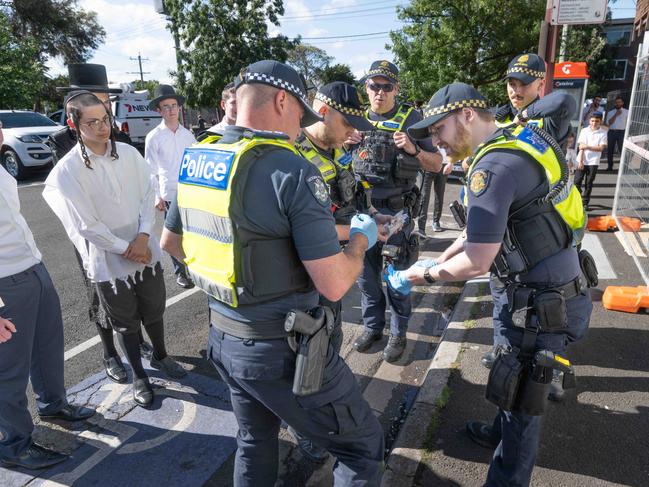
<point>24,148</point>
<point>132,114</point>
<point>58,117</point>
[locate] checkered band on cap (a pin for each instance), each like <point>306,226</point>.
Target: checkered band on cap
<point>528,71</point>
<point>381,72</point>
<point>456,105</point>
<point>341,108</point>
<point>276,82</point>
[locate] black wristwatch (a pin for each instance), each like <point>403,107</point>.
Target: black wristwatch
<point>417,151</point>
<point>427,277</point>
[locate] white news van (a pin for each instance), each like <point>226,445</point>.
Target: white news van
<point>132,114</point>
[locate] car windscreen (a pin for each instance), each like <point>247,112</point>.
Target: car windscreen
<point>25,119</point>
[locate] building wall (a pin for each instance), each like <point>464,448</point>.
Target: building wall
<point>641,23</point>
<point>625,53</point>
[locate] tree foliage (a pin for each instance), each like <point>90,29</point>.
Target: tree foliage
<point>336,72</point>
<point>150,85</point>
<point>21,71</point>
<point>309,61</point>
<point>220,37</point>
<point>446,40</point>
<point>59,27</point>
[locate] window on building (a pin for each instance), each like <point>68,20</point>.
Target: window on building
<point>619,36</point>
<point>619,69</point>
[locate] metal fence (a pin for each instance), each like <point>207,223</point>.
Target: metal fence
<point>632,191</point>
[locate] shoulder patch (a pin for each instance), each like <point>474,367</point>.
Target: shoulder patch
<point>319,190</point>
<point>479,182</point>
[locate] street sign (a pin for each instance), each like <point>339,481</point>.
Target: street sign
<point>570,70</point>
<point>575,12</point>
<point>572,78</point>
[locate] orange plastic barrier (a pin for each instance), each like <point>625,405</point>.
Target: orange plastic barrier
<point>607,224</point>
<point>627,299</point>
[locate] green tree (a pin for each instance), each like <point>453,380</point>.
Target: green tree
<point>21,71</point>
<point>220,37</point>
<point>310,61</point>
<point>149,85</point>
<point>336,72</point>
<point>471,41</point>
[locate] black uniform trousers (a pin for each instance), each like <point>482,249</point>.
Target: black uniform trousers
<point>615,138</point>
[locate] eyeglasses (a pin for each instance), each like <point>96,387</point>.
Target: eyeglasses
<point>96,124</point>
<point>376,87</point>
<point>169,108</point>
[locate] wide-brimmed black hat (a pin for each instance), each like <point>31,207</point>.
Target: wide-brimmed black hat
<point>162,92</point>
<point>282,76</point>
<point>526,68</point>
<point>383,68</point>
<point>90,77</point>
<point>445,101</point>
<point>343,97</point>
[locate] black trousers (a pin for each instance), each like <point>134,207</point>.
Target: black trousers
<point>437,182</point>
<point>615,137</point>
<point>588,172</point>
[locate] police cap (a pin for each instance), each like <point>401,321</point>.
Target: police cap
<point>445,101</point>
<point>526,68</point>
<point>282,76</point>
<point>343,97</point>
<point>385,69</point>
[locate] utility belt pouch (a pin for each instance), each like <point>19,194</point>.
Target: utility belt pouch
<point>504,380</point>
<point>588,268</point>
<point>412,201</point>
<point>346,186</point>
<point>363,196</point>
<point>402,249</point>
<point>309,335</point>
<point>550,309</point>
<point>533,394</point>
<point>459,213</point>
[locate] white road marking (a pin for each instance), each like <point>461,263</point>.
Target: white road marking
<point>91,342</point>
<point>594,246</point>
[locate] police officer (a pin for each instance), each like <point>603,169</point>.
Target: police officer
<point>390,161</point>
<point>525,82</point>
<point>253,220</point>
<point>517,191</point>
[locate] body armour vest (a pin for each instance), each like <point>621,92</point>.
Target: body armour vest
<point>233,265</point>
<point>536,228</point>
<point>379,161</point>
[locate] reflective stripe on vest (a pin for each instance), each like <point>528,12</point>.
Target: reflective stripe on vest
<point>568,202</point>
<point>394,124</point>
<point>205,191</point>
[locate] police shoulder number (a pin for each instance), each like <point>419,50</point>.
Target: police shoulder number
<point>479,181</point>
<point>318,188</point>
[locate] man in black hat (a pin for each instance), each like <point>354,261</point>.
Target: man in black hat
<point>163,150</point>
<point>507,201</point>
<point>283,252</point>
<point>93,78</point>
<point>390,161</point>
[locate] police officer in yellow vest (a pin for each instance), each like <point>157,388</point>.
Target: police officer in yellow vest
<point>524,219</point>
<point>253,223</point>
<point>390,161</point>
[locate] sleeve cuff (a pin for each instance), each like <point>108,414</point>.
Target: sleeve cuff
<point>145,227</point>
<point>120,246</point>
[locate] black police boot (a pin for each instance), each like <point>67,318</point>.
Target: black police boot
<point>365,341</point>
<point>394,349</point>
<point>557,392</point>
<point>34,457</point>
<point>488,359</point>
<point>482,434</point>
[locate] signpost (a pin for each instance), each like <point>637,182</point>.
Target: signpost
<point>572,78</point>
<point>576,12</point>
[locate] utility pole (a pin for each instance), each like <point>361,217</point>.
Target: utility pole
<point>141,73</point>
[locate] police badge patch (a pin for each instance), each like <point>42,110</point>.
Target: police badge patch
<point>319,190</point>
<point>479,182</point>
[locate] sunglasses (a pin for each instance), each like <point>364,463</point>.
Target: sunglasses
<point>376,87</point>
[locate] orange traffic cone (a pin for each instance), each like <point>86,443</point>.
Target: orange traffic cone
<point>608,224</point>
<point>627,299</point>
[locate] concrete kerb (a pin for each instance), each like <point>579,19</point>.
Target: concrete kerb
<point>408,449</point>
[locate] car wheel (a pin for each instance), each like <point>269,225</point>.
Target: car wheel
<point>13,165</point>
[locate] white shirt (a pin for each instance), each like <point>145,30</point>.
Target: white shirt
<point>219,127</point>
<point>163,151</point>
<point>592,139</point>
<point>18,251</point>
<point>620,121</point>
<point>104,208</point>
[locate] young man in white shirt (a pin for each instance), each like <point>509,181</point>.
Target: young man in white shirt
<point>31,340</point>
<point>616,122</point>
<point>103,193</point>
<point>229,107</point>
<point>163,151</point>
<point>592,142</point>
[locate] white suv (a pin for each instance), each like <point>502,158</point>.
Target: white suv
<point>25,133</point>
<point>132,114</point>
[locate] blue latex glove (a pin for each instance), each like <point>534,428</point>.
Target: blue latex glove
<point>397,280</point>
<point>366,225</point>
<point>425,263</point>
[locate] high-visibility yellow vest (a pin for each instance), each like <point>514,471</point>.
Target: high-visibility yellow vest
<point>329,168</point>
<point>394,124</point>
<point>229,264</point>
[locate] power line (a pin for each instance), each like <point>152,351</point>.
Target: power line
<point>339,14</point>
<point>346,36</point>
<point>139,60</point>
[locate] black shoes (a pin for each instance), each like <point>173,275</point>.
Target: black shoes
<point>365,341</point>
<point>115,370</point>
<point>70,412</point>
<point>142,393</point>
<point>34,457</point>
<point>481,434</point>
<point>146,350</point>
<point>437,227</point>
<point>394,349</point>
<point>184,282</point>
<point>488,359</point>
<point>169,367</point>
<point>308,449</point>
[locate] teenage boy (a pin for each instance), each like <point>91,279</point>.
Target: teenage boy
<point>592,143</point>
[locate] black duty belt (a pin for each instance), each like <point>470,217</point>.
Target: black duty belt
<point>259,330</point>
<point>394,203</point>
<point>569,290</point>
